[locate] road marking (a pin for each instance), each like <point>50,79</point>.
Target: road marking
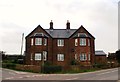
<point>11,73</point>
<point>72,78</point>
<point>106,72</point>
<point>9,78</point>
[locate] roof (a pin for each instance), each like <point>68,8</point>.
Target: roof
<point>99,53</point>
<point>60,33</point>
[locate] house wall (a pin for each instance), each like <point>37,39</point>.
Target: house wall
<point>82,49</point>
<point>37,48</point>
<point>69,50</point>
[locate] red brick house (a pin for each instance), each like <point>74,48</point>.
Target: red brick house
<point>59,46</point>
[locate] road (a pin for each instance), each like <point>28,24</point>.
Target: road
<point>107,74</point>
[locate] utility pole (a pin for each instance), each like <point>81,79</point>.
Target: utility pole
<point>22,43</point>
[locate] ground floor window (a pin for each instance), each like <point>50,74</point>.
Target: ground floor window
<point>89,57</point>
<point>37,56</point>
<point>83,57</point>
<point>60,57</point>
<point>75,56</point>
<point>45,55</point>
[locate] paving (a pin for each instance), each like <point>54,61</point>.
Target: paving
<point>107,74</point>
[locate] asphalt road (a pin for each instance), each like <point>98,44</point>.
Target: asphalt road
<point>108,74</point>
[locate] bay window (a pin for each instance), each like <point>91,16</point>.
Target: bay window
<point>82,42</point>
<point>83,57</point>
<point>38,56</point>
<point>38,41</point>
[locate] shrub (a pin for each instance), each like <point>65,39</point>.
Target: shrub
<point>47,63</point>
<point>100,65</point>
<point>52,69</point>
<point>73,62</point>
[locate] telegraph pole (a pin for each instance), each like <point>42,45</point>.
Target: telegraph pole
<point>22,43</point>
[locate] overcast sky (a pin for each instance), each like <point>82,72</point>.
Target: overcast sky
<point>99,17</point>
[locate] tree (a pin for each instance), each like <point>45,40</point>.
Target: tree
<point>118,56</point>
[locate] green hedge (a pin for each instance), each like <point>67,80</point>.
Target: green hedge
<point>100,66</point>
<point>52,69</point>
<point>9,65</point>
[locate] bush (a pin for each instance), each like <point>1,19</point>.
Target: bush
<point>9,65</point>
<point>52,69</point>
<point>47,63</point>
<point>73,62</point>
<point>103,66</point>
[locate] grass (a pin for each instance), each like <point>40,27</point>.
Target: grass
<point>78,71</point>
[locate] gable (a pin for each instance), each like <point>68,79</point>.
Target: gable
<point>82,30</point>
<point>38,29</point>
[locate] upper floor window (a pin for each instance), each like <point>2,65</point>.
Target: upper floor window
<point>60,57</point>
<point>60,42</point>
<point>38,56</point>
<point>45,41</point>
<point>88,42</point>
<point>76,42</point>
<point>32,41</point>
<point>82,42</point>
<point>38,41</point>
<point>83,57</point>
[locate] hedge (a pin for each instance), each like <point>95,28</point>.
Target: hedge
<point>52,69</point>
<point>9,65</point>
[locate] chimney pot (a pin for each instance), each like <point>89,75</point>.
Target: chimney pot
<point>51,25</point>
<point>68,25</point>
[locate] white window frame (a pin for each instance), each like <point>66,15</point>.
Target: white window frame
<point>38,41</point>
<point>32,41</point>
<point>45,41</point>
<point>88,42</point>
<point>89,56</point>
<point>81,34</point>
<point>60,57</point>
<point>76,42</point>
<point>83,57</point>
<point>82,41</point>
<point>44,55</point>
<point>75,56</point>
<point>38,56</point>
<point>60,42</point>
<point>31,56</point>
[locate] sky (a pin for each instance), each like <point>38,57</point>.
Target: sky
<point>99,17</point>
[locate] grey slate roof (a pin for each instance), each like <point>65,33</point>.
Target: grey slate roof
<point>100,52</point>
<point>60,33</point>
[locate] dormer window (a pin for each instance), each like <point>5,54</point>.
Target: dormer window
<point>82,35</point>
<point>38,34</point>
<point>82,41</point>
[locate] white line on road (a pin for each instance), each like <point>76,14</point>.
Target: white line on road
<point>72,78</point>
<point>9,78</point>
<point>11,73</point>
<point>106,72</point>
